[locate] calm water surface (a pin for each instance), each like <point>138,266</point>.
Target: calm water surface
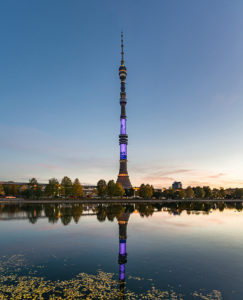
<point>177,251</point>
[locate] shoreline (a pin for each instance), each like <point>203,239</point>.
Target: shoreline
<point>116,201</point>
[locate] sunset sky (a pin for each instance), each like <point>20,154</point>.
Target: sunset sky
<point>59,90</point>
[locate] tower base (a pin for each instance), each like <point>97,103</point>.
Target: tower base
<point>124,180</point>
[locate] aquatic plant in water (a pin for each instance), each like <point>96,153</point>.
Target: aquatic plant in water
<point>15,285</point>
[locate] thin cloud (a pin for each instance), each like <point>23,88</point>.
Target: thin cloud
<point>217,175</point>
<point>50,167</point>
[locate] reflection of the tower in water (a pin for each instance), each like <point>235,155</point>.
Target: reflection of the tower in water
<point>122,258</point>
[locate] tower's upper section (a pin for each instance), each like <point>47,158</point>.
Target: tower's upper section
<point>122,69</point>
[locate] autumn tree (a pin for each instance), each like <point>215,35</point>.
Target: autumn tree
<point>182,194</point>
<point>77,189</point>
<point>119,190</point>
<point>10,189</point>
<point>189,192</point>
<point>2,193</point>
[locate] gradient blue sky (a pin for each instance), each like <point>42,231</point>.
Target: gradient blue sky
<point>59,90</point>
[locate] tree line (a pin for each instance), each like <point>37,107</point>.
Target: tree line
<point>54,189</point>
<point>68,189</point>
<point>200,193</point>
<point>112,189</point>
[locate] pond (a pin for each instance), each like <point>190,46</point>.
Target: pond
<point>110,251</point>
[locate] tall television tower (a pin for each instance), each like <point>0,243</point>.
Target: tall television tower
<point>123,177</point>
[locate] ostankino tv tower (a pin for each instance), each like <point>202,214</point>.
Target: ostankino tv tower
<point>123,177</point>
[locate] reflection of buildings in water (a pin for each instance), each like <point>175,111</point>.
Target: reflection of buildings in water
<point>122,258</point>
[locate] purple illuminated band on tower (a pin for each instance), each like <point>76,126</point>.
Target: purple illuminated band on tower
<point>122,253</point>
<point>123,147</point>
<point>123,151</point>
<point>123,126</point>
<point>122,272</point>
<point>122,247</point>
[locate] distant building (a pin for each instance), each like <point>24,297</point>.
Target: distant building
<point>89,190</point>
<point>176,185</point>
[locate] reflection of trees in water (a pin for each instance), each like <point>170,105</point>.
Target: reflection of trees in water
<point>112,211</point>
<point>101,213</point>
<point>77,211</point>
<point>66,215</point>
<point>73,212</point>
<point>52,213</point>
<point>145,210</point>
<point>33,212</point>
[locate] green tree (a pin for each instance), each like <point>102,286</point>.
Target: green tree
<point>67,186</point>
<point>215,193</point>
<point>77,189</point>
<point>34,189</point>
<point>146,191</point>
<point>52,188</point>
<point>238,194</point>
<point>189,193</point>
<point>111,188</point>
<point>141,190</point>
<point>208,192</point>
<point>169,193</point>
<point>101,188</point>
<point>2,193</point>
<point>129,192</point>
<point>199,192</point>
<point>119,190</point>
<point>157,194</point>
<point>33,183</point>
<point>222,193</point>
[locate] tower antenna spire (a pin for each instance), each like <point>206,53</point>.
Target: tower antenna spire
<point>122,51</point>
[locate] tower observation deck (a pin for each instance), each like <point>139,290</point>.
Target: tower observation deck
<point>123,177</point>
